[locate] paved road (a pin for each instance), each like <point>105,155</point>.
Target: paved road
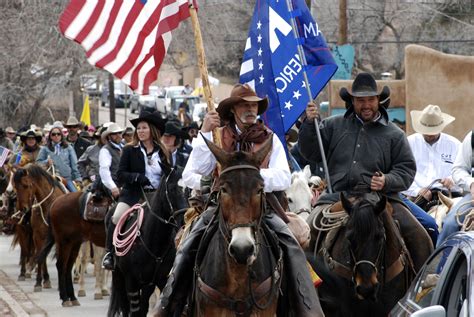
<point>120,117</point>
<point>18,299</point>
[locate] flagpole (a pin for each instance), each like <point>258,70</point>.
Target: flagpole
<point>308,90</point>
<point>203,66</point>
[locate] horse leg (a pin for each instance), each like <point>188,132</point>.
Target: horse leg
<point>70,263</point>
<point>63,249</point>
<point>80,268</point>
<point>46,280</point>
<point>145,298</point>
<point>99,272</point>
<point>133,295</point>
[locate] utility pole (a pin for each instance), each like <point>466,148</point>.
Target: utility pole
<point>342,22</point>
<point>111,97</point>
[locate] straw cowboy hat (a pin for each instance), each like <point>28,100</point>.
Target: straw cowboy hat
<point>10,130</point>
<point>430,120</point>
<point>113,128</point>
<point>153,118</point>
<point>72,122</point>
<point>240,93</point>
<point>364,85</point>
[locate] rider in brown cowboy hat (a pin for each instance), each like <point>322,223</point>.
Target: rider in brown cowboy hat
<point>242,132</point>
<point>364,147</point>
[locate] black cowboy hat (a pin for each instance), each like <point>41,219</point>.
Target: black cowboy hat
<point>31,133</point>
<point>240,92</point>
<point>364,85</point>
<point>153,118</point>
<point>171,128</point>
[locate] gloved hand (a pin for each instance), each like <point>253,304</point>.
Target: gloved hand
<point>143,180</point>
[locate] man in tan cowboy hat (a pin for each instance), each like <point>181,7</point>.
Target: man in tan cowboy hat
<point>365,149</point>
<point>79,143</point>
<point>241,132</point>
<point>11,133</point>
<point>434,151</point>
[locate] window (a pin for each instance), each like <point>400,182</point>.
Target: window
<point>428,281</point>
<point>454,292</point>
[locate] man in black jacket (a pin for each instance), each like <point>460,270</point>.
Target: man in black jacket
<point>77,142</point>
<point>364,147</point>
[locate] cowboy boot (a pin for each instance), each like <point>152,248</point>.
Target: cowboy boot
<point>108,262</point>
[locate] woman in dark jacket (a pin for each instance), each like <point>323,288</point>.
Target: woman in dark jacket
<point>139,170</point>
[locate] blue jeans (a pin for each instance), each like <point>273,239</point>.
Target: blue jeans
<point>428,222</point>
<point>71,187</point>
<point>450,225</point>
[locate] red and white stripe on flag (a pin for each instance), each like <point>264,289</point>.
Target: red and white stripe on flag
<point>128,38</point>
<point>3,155</point>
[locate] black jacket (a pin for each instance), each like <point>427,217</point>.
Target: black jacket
<point>355,151</point>
<point>80,146</point>
<point>132,164</point>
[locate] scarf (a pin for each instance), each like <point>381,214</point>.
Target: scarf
<point>256,133</point>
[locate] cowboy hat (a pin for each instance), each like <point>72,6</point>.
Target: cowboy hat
<point>10,130</point>
<point>430,120</point>
<point>31,133</point>
<point>172,128</point>
<point>153,118</point>
<point>113,128</point>
<point>240,92</point>
<point>72,122</point>
<point>364,85</point>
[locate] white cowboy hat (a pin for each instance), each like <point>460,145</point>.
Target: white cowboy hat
<point>113,128</point>
<point>430,121</point>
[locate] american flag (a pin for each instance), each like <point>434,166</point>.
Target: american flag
<point>128,38</point>
<point>272,66</point>
<point>3,155</point>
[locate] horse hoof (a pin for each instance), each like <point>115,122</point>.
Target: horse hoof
<point>38,288</point>
<point>76,303</point>
<point>47,284</point>
<point>98,296</point>
<point>81,293</point>
<point>105,292</point>
<point>67,303</point>
<point>21,278</point>
<point>28,275</point>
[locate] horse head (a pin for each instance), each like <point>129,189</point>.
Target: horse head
<point>299,193</point>
<point>241,199</point>
<point>24,188</point>
<point>365,233</point>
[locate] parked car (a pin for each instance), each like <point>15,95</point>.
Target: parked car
<point>445,284</point>
<point>176,100</point>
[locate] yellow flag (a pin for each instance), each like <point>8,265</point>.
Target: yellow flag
<point>86,112</point>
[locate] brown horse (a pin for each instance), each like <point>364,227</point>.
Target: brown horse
<point>68,230</point>
<point>36,190</point>
<point>246,278</point>
<point>364,263</point>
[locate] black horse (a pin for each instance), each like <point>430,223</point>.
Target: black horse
<point>364,264</point>
<point>151,257</point>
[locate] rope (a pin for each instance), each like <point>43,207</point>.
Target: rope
<point>44,199</point>
<point>425,190</point>
<point>329,219</point>
<point>461,213</point>
<point>123,241</point>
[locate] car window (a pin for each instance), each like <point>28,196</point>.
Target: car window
<point>454,292</point>
<point>428,281</point>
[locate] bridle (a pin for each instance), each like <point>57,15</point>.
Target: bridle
<point>375,264</point>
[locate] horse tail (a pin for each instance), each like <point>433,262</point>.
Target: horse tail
<point>23,235</point>
<point>118,304</point>
<point>43,254</point>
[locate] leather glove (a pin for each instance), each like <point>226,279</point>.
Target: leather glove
<point>143,180</point>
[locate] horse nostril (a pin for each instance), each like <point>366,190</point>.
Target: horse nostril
<point>241,252</point>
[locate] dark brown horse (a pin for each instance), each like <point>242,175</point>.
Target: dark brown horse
<point>68,230</point>
<point>238,267</point>
<point>149,261</point>
<point>364,264</point>
<point>36,191</point>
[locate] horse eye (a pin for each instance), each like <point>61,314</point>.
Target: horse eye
<point>290,200</point>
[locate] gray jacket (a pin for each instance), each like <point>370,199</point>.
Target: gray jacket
<point>88,163</point>
<point>65,163</point>
<point>355,151</point>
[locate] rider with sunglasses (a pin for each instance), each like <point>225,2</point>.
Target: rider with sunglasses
<point>59,154</point>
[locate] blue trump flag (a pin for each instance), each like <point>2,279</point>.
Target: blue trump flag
<point>271,64</point>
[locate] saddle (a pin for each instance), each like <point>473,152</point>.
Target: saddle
<point>93,209</point>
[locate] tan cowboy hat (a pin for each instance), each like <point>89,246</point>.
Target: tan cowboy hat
<point>113,128</point>
<point>10,130</point>
<point>240,92</point>
<point>430,121</point>
<point>72,121</point>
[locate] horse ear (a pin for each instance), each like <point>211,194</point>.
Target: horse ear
<point>346,204</point>
<point>448,202</point>
<point>380,205</point>
<point>262,153</point>
<point>220,154</point>
<point>307,172</point>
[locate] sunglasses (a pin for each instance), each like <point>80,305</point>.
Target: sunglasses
<point>55,134</point>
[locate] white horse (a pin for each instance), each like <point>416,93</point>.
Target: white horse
<point>299,193</point>
<point>439,212</point>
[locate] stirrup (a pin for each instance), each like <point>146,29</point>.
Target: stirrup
<point>108,257</point>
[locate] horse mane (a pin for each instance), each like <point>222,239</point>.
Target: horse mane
<point>363,223</point>
<point>36,172</point>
